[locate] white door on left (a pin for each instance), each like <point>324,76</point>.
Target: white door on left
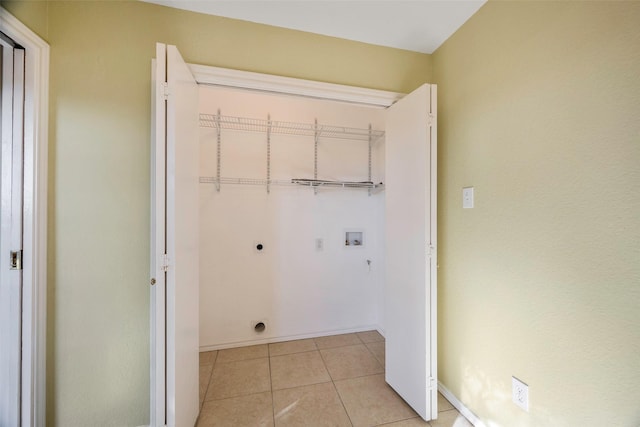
<point>11,211</point>
<point>174,242</point>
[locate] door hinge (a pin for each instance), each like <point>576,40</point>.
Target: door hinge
<point>431,250</point>
<point>164,262</point>
<point>15,260</point>
<point>433,383</point>
<point>165,90</point>
<point>430,119</point>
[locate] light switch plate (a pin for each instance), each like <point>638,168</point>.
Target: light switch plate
<point>467,197</point>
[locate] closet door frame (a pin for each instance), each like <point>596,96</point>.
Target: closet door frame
<point>214,76</point>
<point>236,79</point>
<point>34,265</point>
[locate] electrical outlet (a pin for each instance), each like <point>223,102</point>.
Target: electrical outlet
<point>520,393</point>
<point>467,197</point>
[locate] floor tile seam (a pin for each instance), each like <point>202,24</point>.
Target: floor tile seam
<point>351,345</point>
<point>324,362</point>
<point>302,385</point>
<point>360,376</point>
<point>213,361</point>
<point>371,330</point>
<point>297,352</point>
<point>209,381</point>
<point>342,402</point>
<point>374,356</point>
<point>349,378</point>
<point>273,403</point>
<point>404,419</point>
<point>293,352</point>
<point>241,360</point>
<point>345,346</point>
<point>373,341</point>
<point>340,346</point>
<point>235,396</point>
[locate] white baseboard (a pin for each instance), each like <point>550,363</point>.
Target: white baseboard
<point>464,411</point>
<point>288,338</point>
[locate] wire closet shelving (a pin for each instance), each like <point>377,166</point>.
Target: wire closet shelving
<point>269,127</point>
<point>288,128</point>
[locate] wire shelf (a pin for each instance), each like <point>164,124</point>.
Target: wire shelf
<point>288,128</point>
<point>312,183</point>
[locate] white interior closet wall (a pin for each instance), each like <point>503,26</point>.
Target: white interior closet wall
<point>295,288</point>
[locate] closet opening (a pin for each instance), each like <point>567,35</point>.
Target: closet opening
<point>278,173</point>
<point>279,217</point>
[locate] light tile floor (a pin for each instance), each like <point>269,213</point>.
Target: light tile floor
<point>329,381</point>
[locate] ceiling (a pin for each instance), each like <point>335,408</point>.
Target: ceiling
<point>416,25</point>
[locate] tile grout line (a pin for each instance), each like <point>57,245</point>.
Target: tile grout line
<point>297,352</point>
<point>358,376</point>
<point>399,421</point>
<point>217,361</point>
<point>273,401</point>
<point>338,346</point>
<point>204,399</point>
<point>375,357</point>
<point>304,385</point>
<point>336,388</point>
<point>342,402</point>
<point>236,396</point>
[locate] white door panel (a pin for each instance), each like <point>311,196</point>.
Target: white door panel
<point>182,241</point>
<point>176,153</point>
<point>11,212</point>
<point>158,240</point>
<point>410,260</point>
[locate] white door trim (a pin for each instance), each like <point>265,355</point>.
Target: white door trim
<point>34,302</point>
<point>206,75</point>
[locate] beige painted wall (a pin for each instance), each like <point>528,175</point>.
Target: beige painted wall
<point>539,110</point>
<point>98,337</point>
<point>33,14</point>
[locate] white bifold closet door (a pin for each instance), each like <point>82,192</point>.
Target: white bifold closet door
<point>410,282</point>
<point>174,257</point>
<point>11,227</point>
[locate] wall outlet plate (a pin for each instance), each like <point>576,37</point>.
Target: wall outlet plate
<point>520,393</point>
<point>467,197</point>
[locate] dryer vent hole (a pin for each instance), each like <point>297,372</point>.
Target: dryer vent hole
<point>260,327</point>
